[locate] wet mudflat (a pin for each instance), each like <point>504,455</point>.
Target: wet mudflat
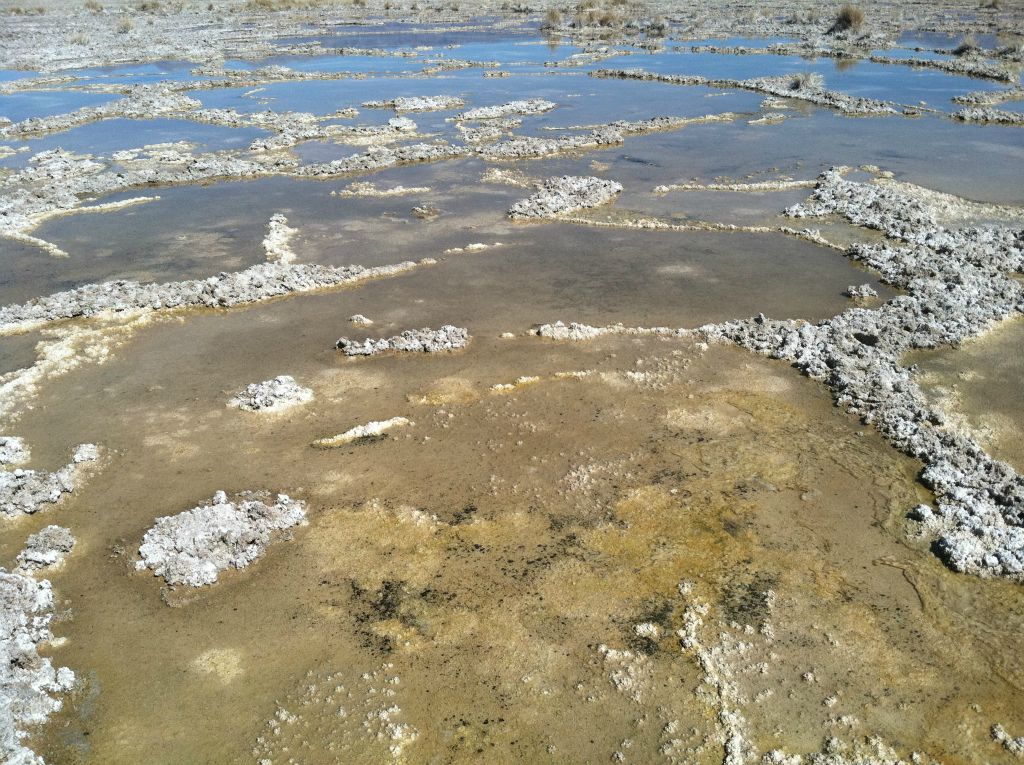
<point>626,539</point>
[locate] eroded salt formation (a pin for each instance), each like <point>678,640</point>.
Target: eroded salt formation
<point>195,546</point>
<point>30,686</point>
<point>274,395</point>
<point>565,194</point>
<point>25,492</point>
<point>426,340</point>
<point>525,107</point>
<point>46,548</point>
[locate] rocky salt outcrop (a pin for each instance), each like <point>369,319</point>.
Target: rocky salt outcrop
<point>275,395</point>
<point>861,291</point>
<point>426,340</point>
<point>194,547</point>
<point>45,549</point>
<point>566,194</point>
<point>25,492</point>
<point>30,686</point>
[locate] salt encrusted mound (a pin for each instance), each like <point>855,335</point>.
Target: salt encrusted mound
<point>572,331</point>
<point>525,107</point>
<point>426,340</point>
<point>272,395</point>
<point>45,548</point>
<point>193,547</point>
<point>418,103</point>
<point>13,450</point>
<point>861,291</point>
<point>24,492</point>
<point>565,194</point>
<point>30,686</point>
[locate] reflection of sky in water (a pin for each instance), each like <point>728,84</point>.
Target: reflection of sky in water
<point>43,103</point>
<point>108,136</point>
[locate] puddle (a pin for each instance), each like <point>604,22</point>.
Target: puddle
<point>976,386</point>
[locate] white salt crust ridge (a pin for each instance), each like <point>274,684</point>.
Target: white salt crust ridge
<point>30,686</point>
<point>418,103</point>
<point>566,194</point>
<point>45,549</point>
<point>525,107</point>
<point>259,282</point>
<point>426,340</point>
<point>194,547</point>
<point>369,430</point>
<point>26,492</point>
<point>274,395</point>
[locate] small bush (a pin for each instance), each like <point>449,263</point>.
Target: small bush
<point>968,45</point>
<point>124,26</point>
<point>149,6</point>
<point>93,5</point>
<point>849,17</point>
<point>552,20</point>
<point>806,81</point>
<point>79,39</point>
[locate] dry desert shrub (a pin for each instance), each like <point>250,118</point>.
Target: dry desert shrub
<point>850,17</point>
